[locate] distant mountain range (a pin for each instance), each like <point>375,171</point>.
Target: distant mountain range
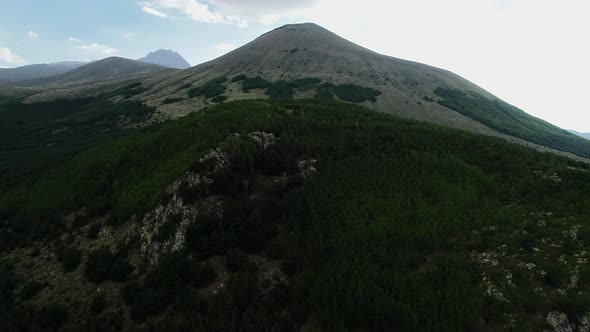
<point>584,135</point>
<point>37,71</point>
<point>59,72</point>
<point>167,58</point>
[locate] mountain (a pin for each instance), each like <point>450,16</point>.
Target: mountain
<point>584,135</point>
<point>103,70</point>
<point>406,88</point>
<point>263,215</point>
<point>306,208</point>
<point>167,58</point>
<point>37,71</point>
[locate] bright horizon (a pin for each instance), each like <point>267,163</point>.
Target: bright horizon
<point>529,53</point>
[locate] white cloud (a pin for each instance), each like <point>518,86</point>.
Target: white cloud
<point>129,35</point>
<point>7,56</point>
<point>225,47</point>
<point>106,50</point>
<point>74,39</point>
<point>193,9</point>
<point>32,35</point>
<point>262,11</point>
<point>153,11</point>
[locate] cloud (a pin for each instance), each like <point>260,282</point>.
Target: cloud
<point>32,35</point>
<point>193,9</point>
<point>153,11</point>
<point>106,50</point>
<point>129,35</point>
<point>7,56</point>
<point>262,11</point>
<point>225,47</point>
<point>74,39</point>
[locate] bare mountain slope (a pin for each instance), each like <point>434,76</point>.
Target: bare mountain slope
<point>308,50</point>
<point>36,71</point>
<point>106,69</point>
<point>407,88</point>
<point>167,58</point>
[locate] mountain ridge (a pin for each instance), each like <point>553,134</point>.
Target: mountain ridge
<point>407,88</point>
<point>37,71</point>
<point>101,70</point>
<point>167,58</point>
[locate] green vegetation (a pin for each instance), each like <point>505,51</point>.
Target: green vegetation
<point>325,91</point>
<point>172,100</point>
<point>98,303</point>
<point>304,84</point>
<point>127,91</point>
<point>239,78</point>
<point>210,89</point>
<point>385,234</point>
<point>38,136</point>
<point>219,99</point>
<point>348,92</point>
<point>70,259</point>
<point>280,90</point>
<point>355,93</point>
<point>283,90</point>
<point>252,83</point>
<point>103,265</point>
<point>512,121</point>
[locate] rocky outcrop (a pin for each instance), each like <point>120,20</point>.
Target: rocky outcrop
<point>162,231</point>
<point>559,322</point>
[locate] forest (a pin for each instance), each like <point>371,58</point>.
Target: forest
<point>345,219</point>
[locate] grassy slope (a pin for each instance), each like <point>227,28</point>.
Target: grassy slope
<point>510,120</point>
<point>381,238</point>
<point>39,136</point>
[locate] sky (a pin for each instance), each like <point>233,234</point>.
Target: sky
<point>531,53</point>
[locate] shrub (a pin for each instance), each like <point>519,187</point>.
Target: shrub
<point>239,78</point>
<point>206,237</point>
<point>70,259</point>
<point>120,270</point>
<point>276,248</point>
<point>53,316</point>
<point>252,83</point>
<point>130,290</point>
<point>355,93</point>
<point>172,100</point>
<point>147,303</point>
<point>80,221</point>
<point>236,260</point>
<point>243,289</point>
<point>30,289</point>
<point>210,89</point>
<point>184,86</point>
<point>99,264</point>
<point>304,84</point>
<point>93,230</point>
<point>219,99</point>
<point>325,91</point>
<point>280,90</point>
<point>97,304</point>
<point>201,274</point>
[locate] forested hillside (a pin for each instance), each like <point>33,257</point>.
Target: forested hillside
<point>297,215</point>
<point>510,120</point>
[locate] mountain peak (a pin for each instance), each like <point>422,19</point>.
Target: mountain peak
<point>168,58</point>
